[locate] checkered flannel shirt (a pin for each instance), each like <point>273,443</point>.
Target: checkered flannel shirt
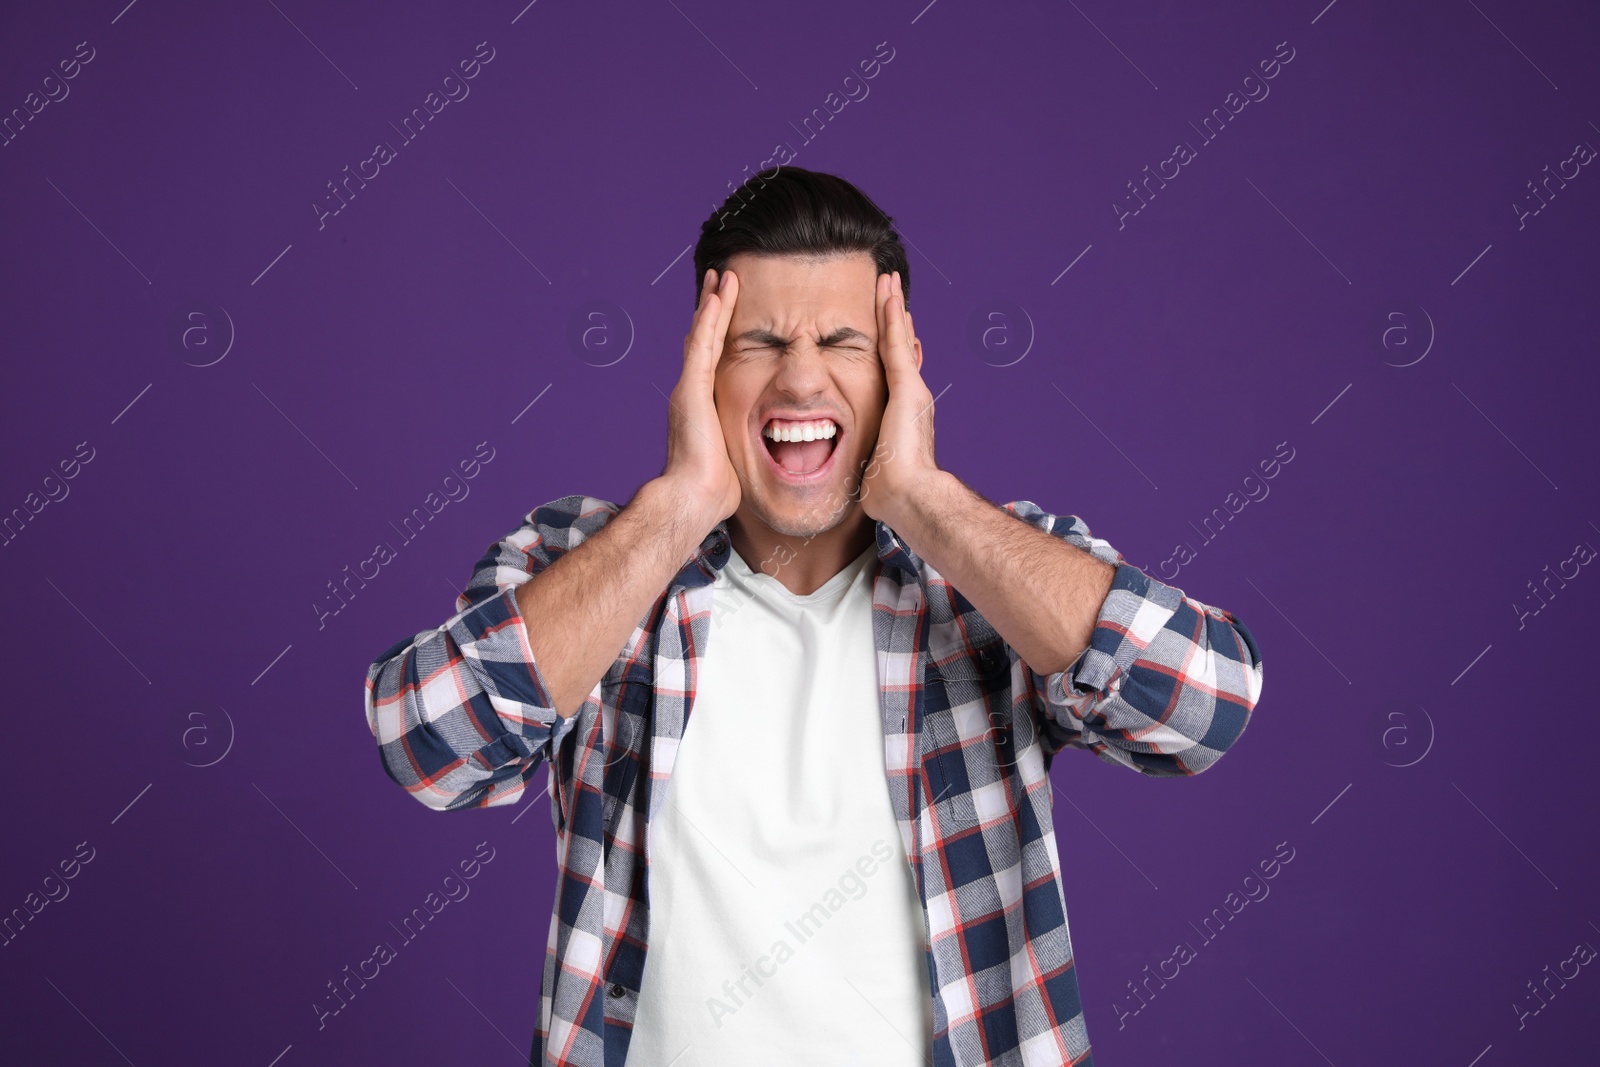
<point>463,719</point>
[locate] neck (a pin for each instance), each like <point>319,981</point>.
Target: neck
<point>803,564</point>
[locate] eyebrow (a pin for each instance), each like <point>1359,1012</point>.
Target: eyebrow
<point>767,337</point>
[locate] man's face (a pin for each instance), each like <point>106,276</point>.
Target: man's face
<point>801,353</point>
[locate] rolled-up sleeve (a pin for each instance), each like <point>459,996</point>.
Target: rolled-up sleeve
<point>1167,683</point>
<point>461,712</point>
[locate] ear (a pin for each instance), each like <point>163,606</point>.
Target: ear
<point>916,342</point>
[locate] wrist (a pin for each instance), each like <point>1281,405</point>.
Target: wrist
<point>681,507</point>
<point>904,505</point>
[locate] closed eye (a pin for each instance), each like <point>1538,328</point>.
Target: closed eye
<point>845,337</point>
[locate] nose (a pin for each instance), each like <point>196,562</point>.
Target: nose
<point>802,370</point>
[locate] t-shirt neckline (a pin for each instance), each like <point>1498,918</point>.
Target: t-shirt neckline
<point>830,590</point>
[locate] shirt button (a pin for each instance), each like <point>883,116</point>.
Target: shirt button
<point>617,990</point>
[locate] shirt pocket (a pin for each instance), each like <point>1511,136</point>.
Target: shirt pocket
<point>978,672</point>
<point>976,663</point>
<point>968,719</point>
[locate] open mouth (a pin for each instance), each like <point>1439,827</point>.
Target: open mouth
<point>800,450</point>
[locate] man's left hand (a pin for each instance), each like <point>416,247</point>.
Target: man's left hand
<point>902,465</point>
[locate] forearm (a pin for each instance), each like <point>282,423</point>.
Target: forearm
<point>1041,594</point>
<point>580,611</point>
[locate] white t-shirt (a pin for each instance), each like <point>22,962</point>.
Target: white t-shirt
<point>785,925</point>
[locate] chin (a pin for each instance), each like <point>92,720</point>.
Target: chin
<point>805,523</point>
<point>802,512</point>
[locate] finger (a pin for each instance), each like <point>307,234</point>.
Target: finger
<point>897,357</point>
<point>900,290</point>
<point>707,286</point>
<point>880,298</point>
<point>910,327</point>
<point>727,297</point>
<point>698,354</point>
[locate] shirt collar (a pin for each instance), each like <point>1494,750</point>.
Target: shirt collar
<point>714,552</point>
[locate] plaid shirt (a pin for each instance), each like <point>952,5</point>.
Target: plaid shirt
<point>463,719</point>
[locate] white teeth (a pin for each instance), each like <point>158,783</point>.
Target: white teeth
<point>820,429</point>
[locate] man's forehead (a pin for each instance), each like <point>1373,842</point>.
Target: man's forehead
<point>830,290</point>
<point>832,296</point>
<point>841,273</point>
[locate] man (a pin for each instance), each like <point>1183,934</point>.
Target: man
<point>850,858</point>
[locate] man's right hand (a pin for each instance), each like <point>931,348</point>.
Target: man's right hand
<point>697,456</point>
<point>581,609</point>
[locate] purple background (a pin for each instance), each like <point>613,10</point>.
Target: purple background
<point>1427,759</point>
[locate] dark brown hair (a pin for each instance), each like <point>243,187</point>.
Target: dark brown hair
<point>794,211</point>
